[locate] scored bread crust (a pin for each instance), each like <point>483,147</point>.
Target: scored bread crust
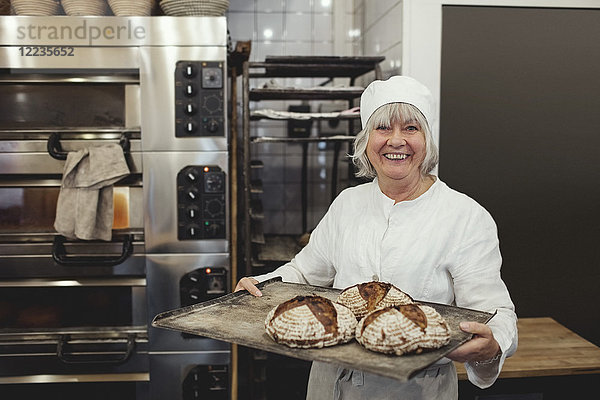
<point>365,297</point>
<point>310,322</point>
<point>403,329</point>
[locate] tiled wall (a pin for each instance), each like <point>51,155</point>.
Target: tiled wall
<point>306,27</point>
<point>381,31</point>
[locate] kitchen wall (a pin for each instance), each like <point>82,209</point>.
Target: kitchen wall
<point>309,28</point>
<point>380,33</point>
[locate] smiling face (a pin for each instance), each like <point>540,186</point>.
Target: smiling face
<point>396,150</point>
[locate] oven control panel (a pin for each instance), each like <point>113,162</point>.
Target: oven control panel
<point>199,105</point>
<point>201,207</point>
<point>202,284</point>
<point>208,382</point>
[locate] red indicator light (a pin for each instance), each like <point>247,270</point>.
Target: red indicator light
<point>206,169</point>
<point>208,270</point>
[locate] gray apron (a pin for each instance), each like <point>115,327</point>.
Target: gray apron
<point>330,382</point>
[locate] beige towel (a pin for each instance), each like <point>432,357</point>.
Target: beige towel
<point>85,202</point>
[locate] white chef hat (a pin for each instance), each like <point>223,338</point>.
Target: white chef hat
<point>397,89</point>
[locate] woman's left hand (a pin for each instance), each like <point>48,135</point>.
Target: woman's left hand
<point>481,347</point>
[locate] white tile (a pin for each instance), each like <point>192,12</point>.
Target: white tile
<point>393,60</point>
<point>269,5</point>
<point>269,26</point>
<point>319,194</point>
<point>315,214</point>
<point>294,150</point>
<point>293,167</point>
<point>263,49</point>
<point>265,129</point>
<point>272,172</point>
<point>359,5</point>
<point>263,149</point>
<point>273,196</point>
<point>241,5</point>
<point>293,223</point>
<point>323,28</point>
<point>323,49</point>
<point>241,26</point>
<point>377,9</point>
<point>298,49</point>
<point>274,222</point>
<point>393,21</point>
<point>292,197</point>
<point>297,6</point>
<point>298,27</point>
<point>382,36</point>
<point>323,6</point>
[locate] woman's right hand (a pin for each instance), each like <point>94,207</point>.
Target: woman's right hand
<point>248,284</point>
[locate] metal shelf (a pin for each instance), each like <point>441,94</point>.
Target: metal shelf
<point>278,248</point>
<point>309,117</point>
<point>263,250</point>
<point>269,139</point>
<point>314,67</point>
<point>304,94</point>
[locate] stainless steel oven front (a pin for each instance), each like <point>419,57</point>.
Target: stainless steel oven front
<point>76,310</point>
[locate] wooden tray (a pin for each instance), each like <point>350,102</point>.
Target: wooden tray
<point>240,317</point>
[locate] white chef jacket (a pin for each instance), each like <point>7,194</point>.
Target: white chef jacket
<point>441,247</point>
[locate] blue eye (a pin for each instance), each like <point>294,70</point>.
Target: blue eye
<point>383,128</point>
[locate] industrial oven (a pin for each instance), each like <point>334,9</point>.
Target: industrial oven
<point>75,314</point>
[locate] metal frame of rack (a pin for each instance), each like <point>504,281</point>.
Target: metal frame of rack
<point>300,67</point>
<point>278,249</point>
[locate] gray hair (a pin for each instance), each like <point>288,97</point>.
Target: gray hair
<point>385,115</point>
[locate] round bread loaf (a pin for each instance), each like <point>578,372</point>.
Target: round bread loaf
<point>369,296</point>
<point>403,329</point>
<point>310,322</point>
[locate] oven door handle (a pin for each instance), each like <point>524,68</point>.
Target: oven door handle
<point>90,358</point>
<point>59,254</point>
<point>56,151</point>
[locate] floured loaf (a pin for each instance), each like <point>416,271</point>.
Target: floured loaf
<point>309,322</point>
<point>366,297</point>
<point>403,329</point>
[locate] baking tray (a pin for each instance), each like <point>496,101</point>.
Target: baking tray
<point>240,318</point>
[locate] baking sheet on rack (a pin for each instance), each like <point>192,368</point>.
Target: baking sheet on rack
<point>239,318</point>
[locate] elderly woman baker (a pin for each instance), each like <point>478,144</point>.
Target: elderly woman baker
<point>409,228</point>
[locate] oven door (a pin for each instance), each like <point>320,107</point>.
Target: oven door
<point>64,330</point>
<point>31,248</point>
<point>60,378</point>
<point>47,113</point>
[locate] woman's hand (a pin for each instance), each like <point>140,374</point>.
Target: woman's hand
<point>482,347</point>
<point>248,284</point>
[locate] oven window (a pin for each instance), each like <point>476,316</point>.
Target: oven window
<point>59,105</point>
<point>65,307</point>
<point>29,210</point>
<point>33,209</point>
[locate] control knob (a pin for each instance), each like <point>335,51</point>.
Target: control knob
<point>189,71</point>
<point>189,109</point>
<point>190,127</point>
<point>194,231</point>
<point>193,194</point>
<point>212,230</point>
<point>214,208</point>
<point>212,126</point>
<point>192,212</point>
<point>191,175</point>
<point>189,90</point>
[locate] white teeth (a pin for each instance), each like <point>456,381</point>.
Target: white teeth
<point>396,156</point>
